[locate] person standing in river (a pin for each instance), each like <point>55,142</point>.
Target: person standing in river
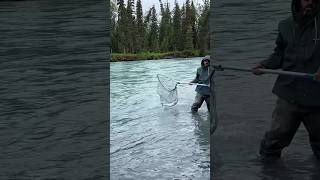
<point>203,92</point>
<point>297,49</point>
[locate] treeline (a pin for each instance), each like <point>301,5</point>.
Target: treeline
<point>183,28</point>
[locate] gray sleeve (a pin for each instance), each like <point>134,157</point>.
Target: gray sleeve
<point>275,59</point>
<point>196,79</point>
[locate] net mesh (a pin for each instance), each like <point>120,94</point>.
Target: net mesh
<point>167,90</point>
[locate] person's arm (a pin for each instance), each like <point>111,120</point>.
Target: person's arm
<point>256,71</point>
<point>317,75</point>
<point>275,59</point>
<point>196,79</point>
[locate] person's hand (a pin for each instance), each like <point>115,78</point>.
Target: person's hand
<point>256,70</point>
<point>317,76</point>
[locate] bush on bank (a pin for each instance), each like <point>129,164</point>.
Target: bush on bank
<point>115,57</point>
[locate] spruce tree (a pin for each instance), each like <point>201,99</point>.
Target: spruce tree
<point>140,27</point>
<point>122,23</point>
<point>165,29</point>
<point>180,29</point>
<point>193,23</point>
<point>152,37</point>
<point>184,26</point>
<point>204,40</point>
<point>147,30</point>
<point>189,17</point>
<point>169,28</point>
<point>131,27</point>
<point>189,39</point>
<point>176,37</point>
<point>114,26</point>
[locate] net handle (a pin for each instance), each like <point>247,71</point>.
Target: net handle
<point>194,84</point>
<point>177,82</point>
<point>267,71</point>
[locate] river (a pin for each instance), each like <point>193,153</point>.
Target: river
<point>149,141</point>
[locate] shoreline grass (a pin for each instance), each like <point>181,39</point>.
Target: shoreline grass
<point>116,57</point>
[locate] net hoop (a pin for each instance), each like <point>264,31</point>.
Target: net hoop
<point>167,90</point>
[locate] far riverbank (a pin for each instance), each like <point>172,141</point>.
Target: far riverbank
<point>115,57</point>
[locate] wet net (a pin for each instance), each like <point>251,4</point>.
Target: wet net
<point>167,90</point>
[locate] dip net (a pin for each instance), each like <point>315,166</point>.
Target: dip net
<point>167,90</point>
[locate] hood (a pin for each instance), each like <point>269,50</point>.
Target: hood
<point>303,21</point>
<point>207,57</point>
<point>296,9</point>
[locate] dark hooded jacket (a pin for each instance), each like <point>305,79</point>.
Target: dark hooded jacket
<point>202,77</point>
<point>297,49</point>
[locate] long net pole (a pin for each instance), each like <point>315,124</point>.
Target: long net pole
<point>267,71</point>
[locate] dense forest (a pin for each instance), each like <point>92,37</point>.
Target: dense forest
<point>182,30</point>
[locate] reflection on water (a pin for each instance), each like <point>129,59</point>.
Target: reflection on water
<point>153,142</point>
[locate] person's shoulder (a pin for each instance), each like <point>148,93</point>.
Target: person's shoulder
<point>286,22</point>
<point>285,26</point>
<point>199,69</point>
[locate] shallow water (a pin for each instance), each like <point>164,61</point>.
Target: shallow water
<point>244,33</point>
<point>147,140</point>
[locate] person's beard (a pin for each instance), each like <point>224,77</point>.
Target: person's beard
<point>308,11</point>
